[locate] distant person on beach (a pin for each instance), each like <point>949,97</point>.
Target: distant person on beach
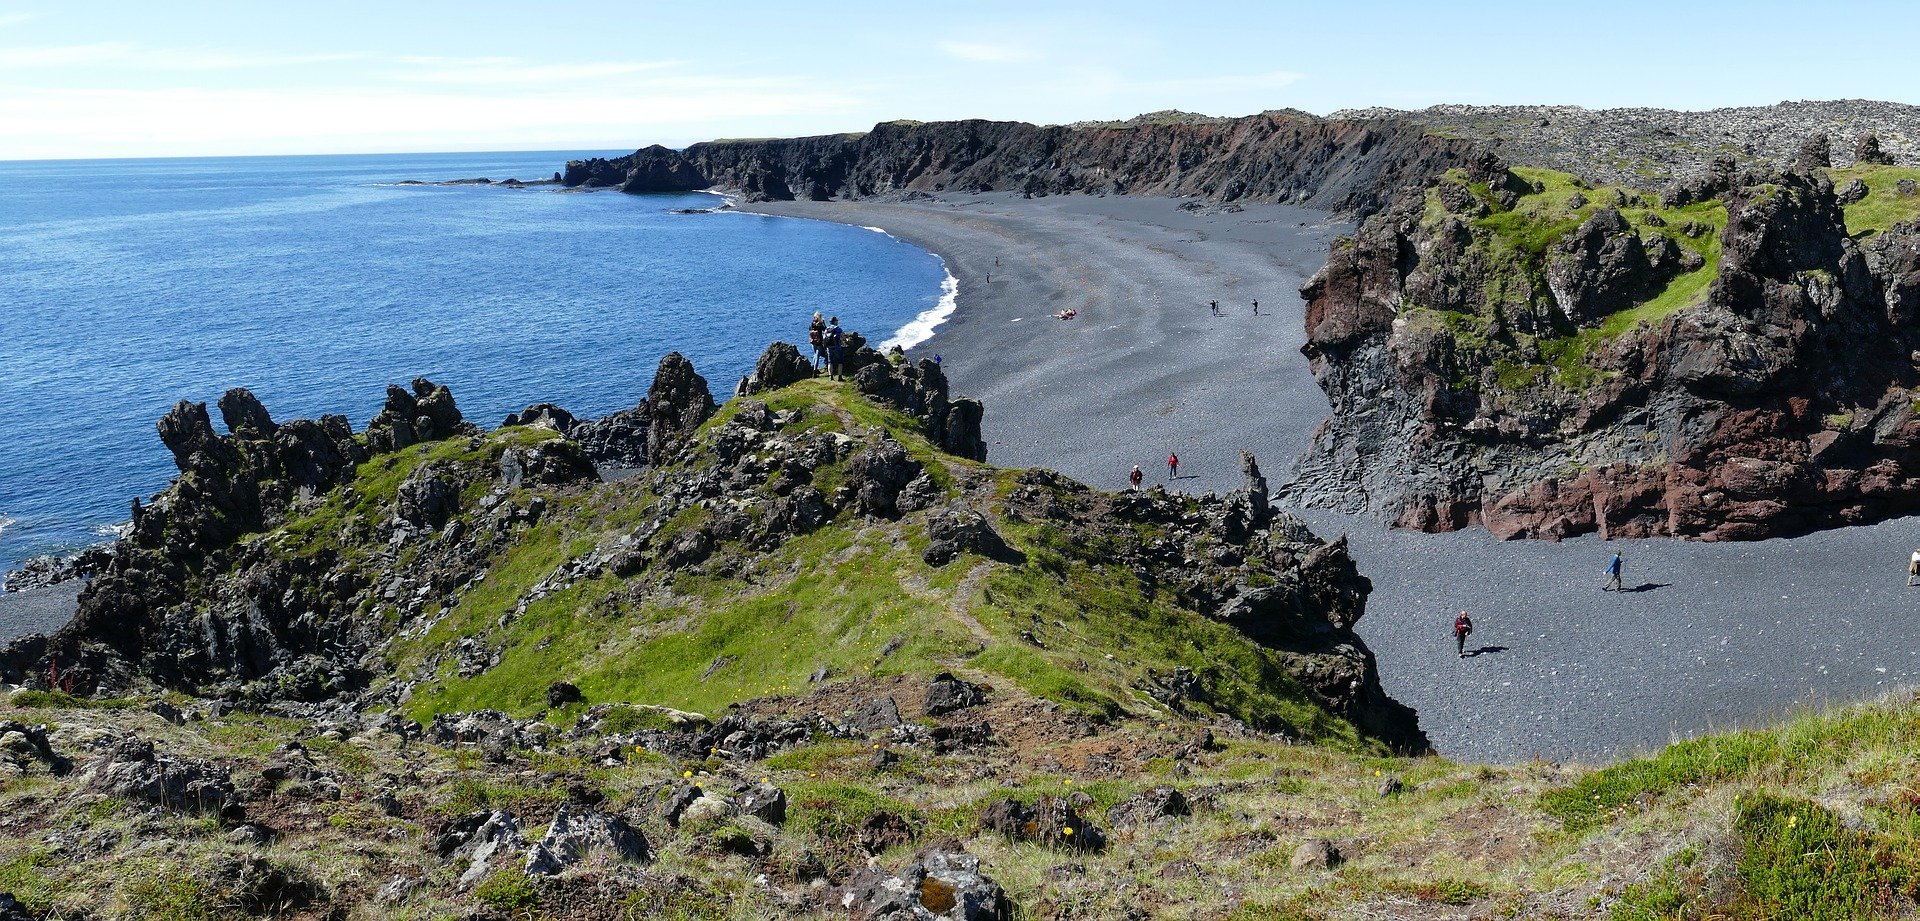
<point>817,337</point>
<point>1136,476</point>
<point>836,344</point>
<point>936,358</point>
<point>1913,569</point>
<point>1256,308</point>
<point>1616,567</point>
<point>1462,628</point>
<point>1173,466</point>
<point>1214,306</point>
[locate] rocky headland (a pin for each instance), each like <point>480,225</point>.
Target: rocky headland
<point>1552,321</point>
<point>1731,357</point>
<point>803,654</point>
<point>1287,156</point>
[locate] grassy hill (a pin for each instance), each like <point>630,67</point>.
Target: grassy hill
<point>1152,685</point>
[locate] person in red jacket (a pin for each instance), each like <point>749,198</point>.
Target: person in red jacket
<point>1462,628</point>
<point>1173,466</point>
<point>1136,476</point>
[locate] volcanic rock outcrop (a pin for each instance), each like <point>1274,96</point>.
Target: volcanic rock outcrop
<point>1727,361</point>
<point>290,563</point>
<point>1274,156</point>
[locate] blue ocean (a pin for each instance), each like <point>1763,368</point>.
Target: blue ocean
<point>127,285</point>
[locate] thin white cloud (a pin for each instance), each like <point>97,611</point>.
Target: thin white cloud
<point>512,71</point>
<point>14,19</point>
<point>37,123</point>
<point>139,57</point>
<point>984,53</point>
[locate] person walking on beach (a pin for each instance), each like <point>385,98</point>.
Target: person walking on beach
<point>1256,308</point>
<point>1214,306</point>
<point>1462,628</point>
<point>1136,476</point>
<point>836,343</point>
<point>1173,466</point>
<point>817,337</point>
<point>1616,568</point>
<point>1913,569</point>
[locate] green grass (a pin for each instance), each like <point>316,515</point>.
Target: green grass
<point>60,700</point>
<point>1595,798</point>
<point>509,891</point>
<point>841,610</point>
<point>1671,893</point>
<point>33,878</point>
<point>1802,750</point>
<point>168,892</point>
<point>469,794</point>
<point>1798,861</point>
<point>1513,247</point>
<point>1884,206</point>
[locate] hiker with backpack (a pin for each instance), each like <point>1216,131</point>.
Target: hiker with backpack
<point>1616,567</point>
<point>817,337</point>
<point>1462,628</point>
<point>1136,476</point>
<point>836,347</point>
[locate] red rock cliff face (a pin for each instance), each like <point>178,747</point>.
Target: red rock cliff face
<point>1474,385</point>
<point>1346,166</point>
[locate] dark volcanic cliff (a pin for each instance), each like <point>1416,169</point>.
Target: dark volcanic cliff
<point>1731,360</point>
<point>1346,166</point>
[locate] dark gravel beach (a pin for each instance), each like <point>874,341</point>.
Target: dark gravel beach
<point>38,610</point>
<point>1145,369</point>
<point>1712,636</point>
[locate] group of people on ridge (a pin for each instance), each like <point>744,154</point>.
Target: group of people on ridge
<point>829,345</point>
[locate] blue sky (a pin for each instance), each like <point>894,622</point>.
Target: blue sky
<point>111,79</point>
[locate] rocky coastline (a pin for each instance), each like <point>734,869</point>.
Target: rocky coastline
<point>1291,157</point>
<point>284,563</point>
<point>1730,359</point>
<point>1688,347</point>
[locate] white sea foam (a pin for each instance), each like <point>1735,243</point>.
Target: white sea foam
<point>5,523</point>
<point>876,230</point>
<point>115,531</point>
<point>920,328</point>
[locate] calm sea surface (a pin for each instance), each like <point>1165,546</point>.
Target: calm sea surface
<point>315,281</point>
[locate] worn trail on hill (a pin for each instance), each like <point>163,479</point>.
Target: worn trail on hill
<point>1711,636</point>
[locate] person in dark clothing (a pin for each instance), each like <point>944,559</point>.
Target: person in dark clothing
<point>1136,476</point>
<point>1256,308</point>
<point>1462,628</point>
<point>1173,466</point>
<point>836,346</point>
<point>1616,567</point>
<point>1214,306</point>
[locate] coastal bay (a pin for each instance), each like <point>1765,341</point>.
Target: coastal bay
<point>1713,636</point>
<point>1717,634</point>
